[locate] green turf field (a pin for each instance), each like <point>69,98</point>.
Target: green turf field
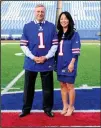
<point>88,67</point>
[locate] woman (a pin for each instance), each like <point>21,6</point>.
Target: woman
<point>68,51</point>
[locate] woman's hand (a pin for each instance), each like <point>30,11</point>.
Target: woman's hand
<point>71,67</point>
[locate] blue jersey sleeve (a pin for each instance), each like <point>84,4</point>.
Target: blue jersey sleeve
<point>24,40</point>
<point>76,44</point>
<point>55,38</point>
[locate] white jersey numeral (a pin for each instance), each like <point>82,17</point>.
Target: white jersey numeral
<point>41,40</point>
<point>61,46</point>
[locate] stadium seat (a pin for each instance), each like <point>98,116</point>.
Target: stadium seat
<point>86,15</point>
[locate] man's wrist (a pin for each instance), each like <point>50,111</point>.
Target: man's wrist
<point>46,57</point>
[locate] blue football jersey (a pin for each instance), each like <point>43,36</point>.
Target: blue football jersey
<point>66,51</point>
<point>39,38</point>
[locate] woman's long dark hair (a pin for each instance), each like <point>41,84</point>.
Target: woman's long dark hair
<point>69,33</point>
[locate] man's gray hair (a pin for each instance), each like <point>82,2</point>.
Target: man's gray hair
<point>40,5</point>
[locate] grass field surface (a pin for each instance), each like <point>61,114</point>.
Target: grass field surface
<point>12,65</point>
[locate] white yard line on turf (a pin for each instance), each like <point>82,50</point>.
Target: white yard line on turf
<point>12,82</point>
<point>12,88</point>
<point>10,43</point>
<point>3,44</point>
<point>90,43</point>
<point>38,90</point>
<point>85,111</point>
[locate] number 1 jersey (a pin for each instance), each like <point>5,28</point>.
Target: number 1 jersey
<point>39,39</point>
<point>67,50</point>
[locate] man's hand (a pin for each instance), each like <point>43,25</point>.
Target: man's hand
<point>39,59</point>
<point>43,59</point>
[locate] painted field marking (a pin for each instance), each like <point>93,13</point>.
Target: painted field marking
<point>85,111</point>
<point>12,88</point>
<point>12,82</point>
<point>19,54</point>
<point>38,90</point>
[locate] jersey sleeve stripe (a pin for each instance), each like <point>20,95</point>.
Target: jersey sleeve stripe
<point>23,44</point>
<point>55,43</point>
<point>76,52</point>
<point>55,40</point>
<point>75,49</point>
<point>23,40</point>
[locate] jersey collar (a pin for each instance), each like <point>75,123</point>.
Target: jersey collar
<point>36,21</point>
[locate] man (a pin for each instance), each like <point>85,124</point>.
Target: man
<point>39,43</point>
